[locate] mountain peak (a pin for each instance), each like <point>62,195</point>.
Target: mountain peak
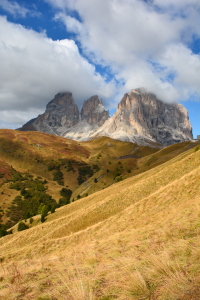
<point>93,111</point>
<point>140,118</point>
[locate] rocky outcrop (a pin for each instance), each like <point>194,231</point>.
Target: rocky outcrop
<point>144,119</point>
<point>93,115</point>
<point>94,112</point>
<point>140,118</point>
<point>62,117</point>
<point>61,113</point>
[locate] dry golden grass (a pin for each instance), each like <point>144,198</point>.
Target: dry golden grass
<point>137,239</point>
<point>32,152</point>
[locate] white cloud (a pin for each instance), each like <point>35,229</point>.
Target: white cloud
<point>34,68</point>
<point>14,118</point>
<point>186,66</point>
<point>176,4</point>
<point>14,8</point>
<point>135,38</point>
<point>144,43</point>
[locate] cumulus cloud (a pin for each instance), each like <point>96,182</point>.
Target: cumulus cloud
<point>186,66</point>
<point>14,8</point>
<point>140,41</point>
<point>34,68</point>
<point>141,44</point>
<point>15,118</point>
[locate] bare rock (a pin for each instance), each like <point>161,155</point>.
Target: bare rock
<point>144,119</point>
<point>94,112</point>
<point>140,118</point>
<point>60,113</point>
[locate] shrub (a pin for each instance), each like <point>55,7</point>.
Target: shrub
<point>80,180</point>
<point>66,193</point>
<point>84,173</point>
<point>17,177</point>
<point>119,178</point>
<point>58,176</point>
<point>96,168</point>
<point>53,166</point>
<point>70,167</point>
<point>99,155</point>
<point>23,191</point>
<point>42,218</point>
<point>53,209</point>
<point>16,185</point>
<point>22,226</point>
<point>31,205</point>
<point>3,230</point>
<point>44,210</point>
<point>63,201</point>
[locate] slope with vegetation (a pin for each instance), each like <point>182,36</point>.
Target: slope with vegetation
<point>39,172</point>
<point>137,239</point>
<point>38,169</point>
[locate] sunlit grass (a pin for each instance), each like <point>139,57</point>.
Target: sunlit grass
<point>137,239</point>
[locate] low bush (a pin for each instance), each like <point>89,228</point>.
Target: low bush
<point>22,226</point>
<point>58,176</point>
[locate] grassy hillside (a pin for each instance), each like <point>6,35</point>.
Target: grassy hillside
<point>45,164</point>
<point>137,239</point>
<point>38,162</point>
<point>36,165</point>
<point>37,169</point>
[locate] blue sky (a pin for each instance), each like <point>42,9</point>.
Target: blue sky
<point>103,47</point>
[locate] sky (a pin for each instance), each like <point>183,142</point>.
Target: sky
<point>97,47</point>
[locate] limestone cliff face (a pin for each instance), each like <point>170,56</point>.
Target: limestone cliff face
<point>62,117</point>
<point>93,115</point>
<point>61,112</point>
<point>94,112</point>
<point>142,118</point>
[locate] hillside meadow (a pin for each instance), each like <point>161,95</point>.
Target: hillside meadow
<point>135,239</point>
<point>39,172</point>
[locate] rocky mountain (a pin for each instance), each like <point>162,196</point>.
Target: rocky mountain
<point>93,111</point>
<point>62,117</point>
<point>92,116</point>
<point>140,118</point>
<point>61,113</point>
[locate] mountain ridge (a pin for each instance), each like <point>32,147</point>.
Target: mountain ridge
<point>140,118</point>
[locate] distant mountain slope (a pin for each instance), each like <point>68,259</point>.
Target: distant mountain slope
<point>140,118</point>
<point>137,239</point>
